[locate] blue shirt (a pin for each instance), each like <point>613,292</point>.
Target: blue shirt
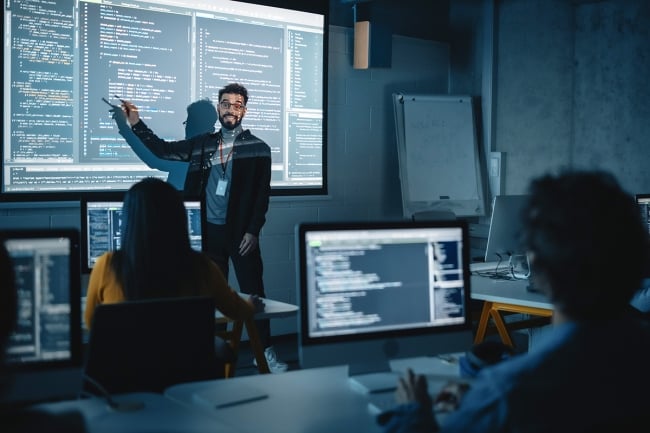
<point>579,376</point>
<point>217,203</point>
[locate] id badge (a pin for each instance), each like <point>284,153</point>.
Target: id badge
<point>221,187</point>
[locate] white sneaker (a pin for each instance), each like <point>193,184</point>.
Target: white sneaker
<point>275,365</point>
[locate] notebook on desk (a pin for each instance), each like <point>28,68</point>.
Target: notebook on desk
<point>372,383</point>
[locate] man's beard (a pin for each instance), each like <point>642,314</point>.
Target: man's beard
<point>231,122</point>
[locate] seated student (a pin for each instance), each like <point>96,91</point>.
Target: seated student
<point>588,248</point>
<point>13,419</point>
<point>155,259</point>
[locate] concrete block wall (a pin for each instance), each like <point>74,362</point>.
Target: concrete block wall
<point>572,89</point>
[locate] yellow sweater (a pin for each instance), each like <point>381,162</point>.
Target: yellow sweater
<point>103,288</point>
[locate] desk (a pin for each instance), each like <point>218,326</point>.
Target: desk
<point>272,310</point>
<point>505,295</point>
<point>159,415</point>
<point>316,400</point>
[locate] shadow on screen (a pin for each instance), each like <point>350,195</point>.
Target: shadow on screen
<point>201,119</point>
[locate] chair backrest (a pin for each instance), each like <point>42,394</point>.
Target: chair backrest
<point>150,345</point>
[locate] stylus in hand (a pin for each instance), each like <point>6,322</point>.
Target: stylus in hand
<point>109,104</point>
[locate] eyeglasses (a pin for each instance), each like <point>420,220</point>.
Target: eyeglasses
<point>237,106</point>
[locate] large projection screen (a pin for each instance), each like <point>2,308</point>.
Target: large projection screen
<point>62,57</point>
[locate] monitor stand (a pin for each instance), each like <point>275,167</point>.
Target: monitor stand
<point>372,377</point>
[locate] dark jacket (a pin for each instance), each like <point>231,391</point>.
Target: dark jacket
<point>251,183</point>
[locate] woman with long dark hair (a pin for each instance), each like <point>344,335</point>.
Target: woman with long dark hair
<point>155,259</point>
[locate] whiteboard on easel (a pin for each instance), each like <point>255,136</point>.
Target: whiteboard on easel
<point>438,153</point>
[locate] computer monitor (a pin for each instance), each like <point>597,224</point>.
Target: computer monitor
<point>505,228</point>
<point>643,201</point>
<point>101,222</point>
<point>374,291</point>
<point>44,352</point>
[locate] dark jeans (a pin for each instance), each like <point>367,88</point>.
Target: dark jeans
<point>222,246</point>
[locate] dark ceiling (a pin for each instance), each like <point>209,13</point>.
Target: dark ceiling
<point>422,19</point>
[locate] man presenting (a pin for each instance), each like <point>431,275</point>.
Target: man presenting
<point>231,171</point>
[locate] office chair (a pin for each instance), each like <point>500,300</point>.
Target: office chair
<point>147,346</point>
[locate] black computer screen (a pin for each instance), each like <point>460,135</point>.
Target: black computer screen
<point>46,267</point>
<point>399,288</point>
<point>102,228</point>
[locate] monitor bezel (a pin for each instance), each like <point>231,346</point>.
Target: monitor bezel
<point>118,199</point>
<point>76,355</point>
<point>302,228</point>
<point>83,207</point>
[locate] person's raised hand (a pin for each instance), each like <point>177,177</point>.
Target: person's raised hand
<point>118,114</point>
<point>131,112</point>
<point>413,388</point>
